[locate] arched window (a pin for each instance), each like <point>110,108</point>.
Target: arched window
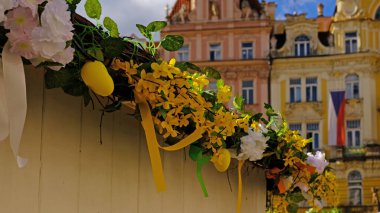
<point>352,86</point>
<point>355,190</point>
<point>302,46</point>
<point>377,16</point>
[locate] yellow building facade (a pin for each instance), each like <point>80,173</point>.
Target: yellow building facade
<point>313,57</point>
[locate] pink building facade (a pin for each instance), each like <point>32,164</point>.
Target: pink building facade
<point>231,36</point>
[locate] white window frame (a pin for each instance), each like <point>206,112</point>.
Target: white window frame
<point>351,42</point>
<point>352,82</point>
<point>353,128</point>
<point>247,52</point>
<point>312,131</point>
<point>215,49</point>
<point>311,84</point>
<point>249,99</point>
<point>355,185</point>
<point>297,90</point>
<point>302,46</point>
<point>183,53</point>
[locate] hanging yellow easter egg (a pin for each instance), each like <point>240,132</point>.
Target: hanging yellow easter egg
<point>221,159</point>
<point>96,77</point>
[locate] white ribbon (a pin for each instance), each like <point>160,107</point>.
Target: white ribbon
<point>12,100</point>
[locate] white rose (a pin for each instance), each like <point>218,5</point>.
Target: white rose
<point>253,145</point>
<point>56,19</point>
<point>44,45</point>
<point>318,161</point>
<point>64,57</point>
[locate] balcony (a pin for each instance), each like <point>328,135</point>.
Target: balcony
<point>348,209</point>
<point>354,153</point>
<point>358,209</point>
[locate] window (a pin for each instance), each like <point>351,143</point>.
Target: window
<point>355,188</point>
<point>248,92</point>
<point>247,50</point>
<point>295,90</point>
<point>302,46</point>
<point>353,133</point>
<point>312,131</point>
<point>377,16</point>
<point>351,41</point>
<point>352,86</point>
<point>215,52</point>
<point>183,53</point>
<point>311,89</point>
<point>296,127</point>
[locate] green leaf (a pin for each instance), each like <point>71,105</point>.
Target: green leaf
<point>86,98</point>
<point>172,42</point>
<point>194,152</point>
<point>295,197</point>
<point>93,9</point>
<point>56,79</point>
<point>75,88</point>
<point>111,26</point>
<point>212,73</point>
<point>113,107</point>
<point>219,83</point>
<point>184,66</point>
<point>73,4</point>
<point>156,26</point>
<point>96,53</point>
<point>292,208</point>
<point>48,64</point>
<point>143,30</point>
<point>239,102</point>
<point>113,47</point>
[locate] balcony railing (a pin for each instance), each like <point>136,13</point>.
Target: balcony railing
<point>358,209</point>
<point>354,153</point>
<point>348,209</point>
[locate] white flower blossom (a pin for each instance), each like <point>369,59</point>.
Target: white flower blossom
<point>4,6</point>
<point>46,46</point>
<point>253,145</point>
<point>2,15</point>
<point>32,4</point>
<point>318,161</point>
<point>56,19</point>
<point>63,57</point>
<point>303,186</point>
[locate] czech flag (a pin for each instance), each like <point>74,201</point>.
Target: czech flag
<point>336,119</point>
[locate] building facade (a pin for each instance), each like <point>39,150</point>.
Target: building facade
<point>231,36</point>
<point>314,58</point>
<point>296,64</point>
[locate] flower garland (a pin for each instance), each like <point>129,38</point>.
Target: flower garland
<point>172,99</point>
<point>39,38</point>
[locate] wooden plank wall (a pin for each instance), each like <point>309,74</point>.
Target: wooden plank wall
<point>69,171</point>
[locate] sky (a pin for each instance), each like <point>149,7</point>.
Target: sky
<point>128,13</point>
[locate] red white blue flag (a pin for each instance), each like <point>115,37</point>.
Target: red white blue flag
<point>336,119</point>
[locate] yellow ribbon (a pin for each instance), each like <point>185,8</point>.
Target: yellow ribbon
<point>240,186</point>
<point>152,143</point>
